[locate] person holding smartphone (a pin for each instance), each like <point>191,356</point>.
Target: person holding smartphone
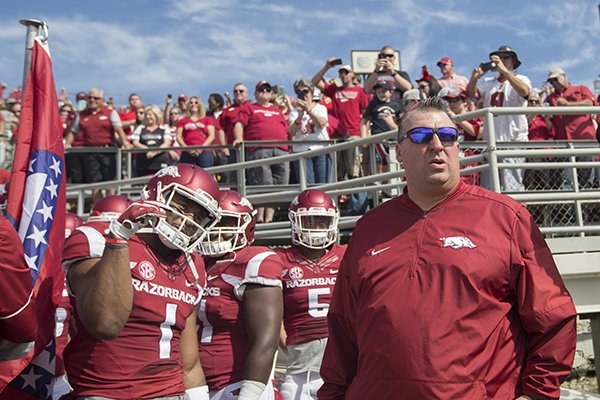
<point>506,89</point>
<point>385,70</point>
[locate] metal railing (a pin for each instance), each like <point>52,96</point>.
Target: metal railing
<point>488,159</point>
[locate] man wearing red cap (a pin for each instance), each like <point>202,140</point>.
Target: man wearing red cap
<point>263,121</point>
<point>449,78</point>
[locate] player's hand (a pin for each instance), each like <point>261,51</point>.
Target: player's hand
<point>138,215</point>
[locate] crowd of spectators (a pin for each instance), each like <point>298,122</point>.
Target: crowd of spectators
<point>320,109</point>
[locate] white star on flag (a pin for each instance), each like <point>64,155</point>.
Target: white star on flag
<point>46,211</point>
<point>55,167</point>
<point>38,236</point>
<point>31,261</point>
<point>30,378</point>
<point>52,188</point>
<point>31,164</point>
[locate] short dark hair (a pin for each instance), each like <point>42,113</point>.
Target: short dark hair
<point>431,104</point>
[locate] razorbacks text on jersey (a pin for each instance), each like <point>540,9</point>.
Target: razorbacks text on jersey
<point>144,361</point>
<point>222,335</point>
<point>307,289</point>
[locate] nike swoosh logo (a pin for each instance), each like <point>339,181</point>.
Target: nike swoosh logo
<point>375,252</point>
<point>333,271</point>
<point>211,277</point>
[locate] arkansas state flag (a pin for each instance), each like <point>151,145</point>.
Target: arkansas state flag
<point>36,207</point>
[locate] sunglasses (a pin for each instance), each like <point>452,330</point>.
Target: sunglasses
<point>505,56</point>
<point>452,99</point>
<point>94,98</point>
<point>265,89</point>
<point>238,91</point>
<point>420,135</point>
<point>384,55</point>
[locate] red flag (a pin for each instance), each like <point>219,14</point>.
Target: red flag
<point>36,207</point>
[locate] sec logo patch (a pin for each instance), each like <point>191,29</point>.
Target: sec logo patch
<point>296,273</point>
<point>146,270</point>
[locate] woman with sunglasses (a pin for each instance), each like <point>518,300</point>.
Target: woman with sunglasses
<point>151,135</point>
<point>196,129</point>
<point>385,70</point>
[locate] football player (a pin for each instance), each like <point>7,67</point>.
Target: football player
<point>311,266</point>
<point>62,319</point>
<point>241,309</point>
<point>136,291</point>
<point>109,208</point>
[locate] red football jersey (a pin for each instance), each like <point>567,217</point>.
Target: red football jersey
<point>144,361</point>
<point>224,344</point>
<point>307,290</point>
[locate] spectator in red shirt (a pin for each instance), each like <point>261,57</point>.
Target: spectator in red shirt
<point>540,128</point>
<point>570,127</point>
<point>263,121</point>
<point>196,129</point>
<point>450,78</point>
<point>349,102</point>
<point>98,126</point>
<point>226,121</point>
<point>128,119</point>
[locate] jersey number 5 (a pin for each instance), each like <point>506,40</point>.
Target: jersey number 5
<point>316,309</point>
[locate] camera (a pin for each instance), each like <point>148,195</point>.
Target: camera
<point>488,66</point>
<point>337,61</point>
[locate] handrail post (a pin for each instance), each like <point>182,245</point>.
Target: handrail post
<point>302,174</point>
<point>492,156</point>
<point>119,161</point>
<point>241,172</point>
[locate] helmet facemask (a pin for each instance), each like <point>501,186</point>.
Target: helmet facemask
<point>179,203</point>
<point>315,228</point>
<point>228,235</point>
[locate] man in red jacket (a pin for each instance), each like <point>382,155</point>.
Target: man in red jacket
<point>429,305</point>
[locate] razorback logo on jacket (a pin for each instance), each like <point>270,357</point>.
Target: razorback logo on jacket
<point>458,242</point>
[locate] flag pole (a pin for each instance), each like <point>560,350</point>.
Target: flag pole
<point>33,30</point>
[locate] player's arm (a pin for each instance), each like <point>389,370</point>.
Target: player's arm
<point>262,308</point>
<point>103,291</point>
<point>103,286</point>
<point>193,375</point>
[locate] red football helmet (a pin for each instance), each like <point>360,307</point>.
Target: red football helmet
<point>314,217</point>
<point>236,228</point>
<point>72,222</point>
<point>190,194</point>
<point>109,208</point>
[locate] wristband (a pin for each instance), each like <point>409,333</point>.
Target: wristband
<point>394,74</point>
<point>251,390</point>
<point>116,241</point>
<point>198,393</point>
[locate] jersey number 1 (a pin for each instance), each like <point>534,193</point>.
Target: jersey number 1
<point>166,331</point>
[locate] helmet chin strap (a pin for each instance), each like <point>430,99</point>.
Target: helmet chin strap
<point>188,257</point>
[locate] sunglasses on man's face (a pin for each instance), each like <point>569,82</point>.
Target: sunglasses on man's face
<point>384,55</point>
<point>420,135</point>
<point>94,98</point>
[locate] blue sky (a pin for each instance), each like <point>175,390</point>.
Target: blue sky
<point>199,47</point>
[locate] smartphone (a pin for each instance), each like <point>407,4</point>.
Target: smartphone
<point>169,96</point>
<point>488,66</point>
<point>337,61</point>
<point>280,91</point>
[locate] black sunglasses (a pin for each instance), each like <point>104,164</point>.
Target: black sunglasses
<point>420,135</point>
<point>94,98</point>
<point>384,55</point>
